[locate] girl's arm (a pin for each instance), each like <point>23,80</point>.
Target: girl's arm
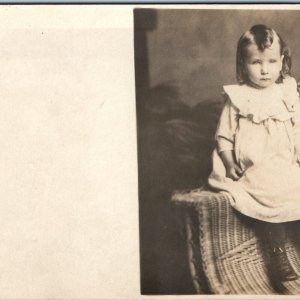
<point>296,121</point>
<point>291,89</point>
<point>225,137</point>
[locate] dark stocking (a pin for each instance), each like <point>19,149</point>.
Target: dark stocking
<point>272,233</point>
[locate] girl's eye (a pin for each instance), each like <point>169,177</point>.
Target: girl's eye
<point>272,61</point>
<point>255,62</point>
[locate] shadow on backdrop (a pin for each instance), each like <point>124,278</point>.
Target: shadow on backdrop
<point>174,146</point>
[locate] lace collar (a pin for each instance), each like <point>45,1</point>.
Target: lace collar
<point>276,102</point>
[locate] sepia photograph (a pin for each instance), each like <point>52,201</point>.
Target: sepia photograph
<point>218,131</point>
<point>150,151</point>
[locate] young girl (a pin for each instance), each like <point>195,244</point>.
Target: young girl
<point>258,141</point>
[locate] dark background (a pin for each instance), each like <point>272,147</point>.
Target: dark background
<point>182,59</point>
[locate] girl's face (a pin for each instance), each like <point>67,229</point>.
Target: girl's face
<point>263,67</point>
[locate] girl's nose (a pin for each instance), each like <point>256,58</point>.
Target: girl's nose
<point>264,69</point>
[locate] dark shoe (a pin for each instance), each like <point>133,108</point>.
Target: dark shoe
<point>282,265</point>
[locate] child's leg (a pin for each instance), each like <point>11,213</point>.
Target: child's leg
<point>273,234</point>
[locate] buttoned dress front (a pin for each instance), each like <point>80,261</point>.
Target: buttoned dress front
<point>262,127</point>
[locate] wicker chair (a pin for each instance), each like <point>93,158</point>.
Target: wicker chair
<point>225,255</point>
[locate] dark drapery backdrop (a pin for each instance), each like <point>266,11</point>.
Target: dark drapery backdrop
<point>182,59</point>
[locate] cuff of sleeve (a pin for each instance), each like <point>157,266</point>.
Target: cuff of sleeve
<point>224,145</point>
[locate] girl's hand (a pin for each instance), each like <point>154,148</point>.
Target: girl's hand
<point>234,172</point>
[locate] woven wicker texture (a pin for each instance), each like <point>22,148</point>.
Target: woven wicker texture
<point>225,254</point>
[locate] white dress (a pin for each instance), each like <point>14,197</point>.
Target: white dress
<point>262,126</point>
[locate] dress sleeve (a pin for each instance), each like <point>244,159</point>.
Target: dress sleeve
<point>225,134</point>
<point>296,122</point>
